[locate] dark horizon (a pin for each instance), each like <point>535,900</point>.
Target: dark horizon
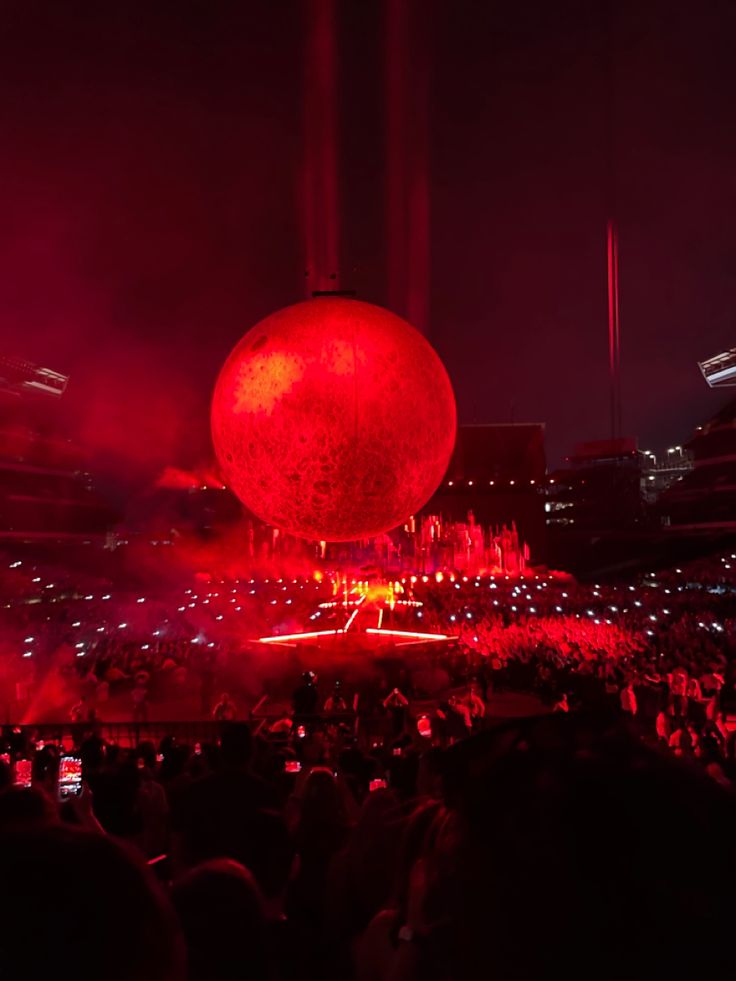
<point>152,164</point>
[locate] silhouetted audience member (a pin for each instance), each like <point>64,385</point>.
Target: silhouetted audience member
<point>362,873</point>
<point>320,829</point>
<point>212,817</point>
<point>222,914</point>
<point>559,855</point>
<point>76,904</point>
<point>225,710</point>
<point>6,775</point>
<point>379,942</point>
<point>26,808</point>
<point>305,700</point>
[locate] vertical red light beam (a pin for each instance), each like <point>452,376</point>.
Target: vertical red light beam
<point>608,65</point>
<point>417,299</point>
<point>309,163</point>
<point>407,147</point>
<point>396,113</point>
<point>618,333</point>
<point>614,335</point>
<point>308,205</point>
<point>320,184</point>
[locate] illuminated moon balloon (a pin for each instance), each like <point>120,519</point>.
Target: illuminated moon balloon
<point>333,420</point>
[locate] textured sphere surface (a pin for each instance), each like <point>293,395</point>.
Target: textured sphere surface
<point>333,419</point>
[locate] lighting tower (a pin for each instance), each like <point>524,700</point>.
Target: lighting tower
<point>720,370</point>
<point>19,377</point>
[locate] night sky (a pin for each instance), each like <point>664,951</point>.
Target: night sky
<point>150,173</point>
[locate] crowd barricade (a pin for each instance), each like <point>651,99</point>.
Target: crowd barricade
<point>128,733</point>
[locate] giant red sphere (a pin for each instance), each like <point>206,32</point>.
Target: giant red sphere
<point>333,419</point>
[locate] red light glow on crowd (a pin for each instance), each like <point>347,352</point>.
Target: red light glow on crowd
<point>110,632</point>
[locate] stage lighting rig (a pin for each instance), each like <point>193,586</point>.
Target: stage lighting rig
<point>720,370</point>
<point>19,377</point>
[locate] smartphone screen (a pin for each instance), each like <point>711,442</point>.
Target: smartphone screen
<point>23,773</point>
<point>292,766</point>
<point>70,777</point>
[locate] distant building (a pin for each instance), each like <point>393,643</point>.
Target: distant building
<point>705,497</point>
<point>660,473</point>
<point>46,492</point>
<point>599,490</point>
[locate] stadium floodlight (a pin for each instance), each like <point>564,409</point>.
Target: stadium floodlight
<point>19,377</point>
<point>720,370</point>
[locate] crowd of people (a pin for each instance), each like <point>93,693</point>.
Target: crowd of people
<point>379,830</point>
<point>104,637</point>
<point>662,648</point>
<point>535,845</point>
<point>543,633</point>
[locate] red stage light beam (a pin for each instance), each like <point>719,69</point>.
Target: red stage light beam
<point>614,330</point>
<point>307,635</point>
<point>407,142</point>
<point>320,180</point>
<point>413,634</point>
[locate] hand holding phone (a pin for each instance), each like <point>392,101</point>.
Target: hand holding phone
<point>23,773</point>
<point>70,777</point>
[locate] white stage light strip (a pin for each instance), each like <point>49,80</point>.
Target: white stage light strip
<point>278,638</point>
<point>408,633</point>
<point>353,615</point>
